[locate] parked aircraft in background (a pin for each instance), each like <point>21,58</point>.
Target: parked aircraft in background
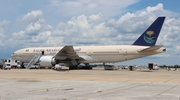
<point>72,56</point>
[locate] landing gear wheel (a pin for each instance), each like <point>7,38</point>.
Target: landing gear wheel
<point>87,67</point>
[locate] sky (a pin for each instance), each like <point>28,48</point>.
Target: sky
<point>37,23</point>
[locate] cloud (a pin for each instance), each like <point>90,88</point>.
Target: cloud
<point>3,25</point>
<point>30,18</point>
<point>35,30</point>
<point>82,30</point>
<point>69,8</point>
<point>33,15</point>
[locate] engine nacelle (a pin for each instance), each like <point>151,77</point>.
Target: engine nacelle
<point>47,61</point>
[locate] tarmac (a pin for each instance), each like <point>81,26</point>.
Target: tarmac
<point>96,84</point>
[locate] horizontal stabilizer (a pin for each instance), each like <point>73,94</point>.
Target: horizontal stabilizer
<point>152,48</point>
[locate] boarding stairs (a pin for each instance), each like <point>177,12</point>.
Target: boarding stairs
<point>33,61</point>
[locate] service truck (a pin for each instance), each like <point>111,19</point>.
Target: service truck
<point>153,66</point>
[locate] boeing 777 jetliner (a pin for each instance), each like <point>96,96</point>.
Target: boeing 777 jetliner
<point>72,56</point>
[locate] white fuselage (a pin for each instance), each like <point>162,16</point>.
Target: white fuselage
<point>97,53</point>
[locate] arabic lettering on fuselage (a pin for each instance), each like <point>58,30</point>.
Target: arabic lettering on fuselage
<point>53,50</point>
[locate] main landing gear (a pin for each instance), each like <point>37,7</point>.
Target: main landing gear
<point>87,66</point>
<point>73,67</point>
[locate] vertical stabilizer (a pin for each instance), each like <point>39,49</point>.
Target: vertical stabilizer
<point>149,37</point>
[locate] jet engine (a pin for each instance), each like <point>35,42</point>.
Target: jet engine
<point>47,61</point>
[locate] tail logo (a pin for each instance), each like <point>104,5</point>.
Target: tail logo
<point>148,37</point>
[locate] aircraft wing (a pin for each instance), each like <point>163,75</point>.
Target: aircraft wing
<point>67,52</point>
<point>152,48</point>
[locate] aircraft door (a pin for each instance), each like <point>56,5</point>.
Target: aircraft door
<point>125,54</point>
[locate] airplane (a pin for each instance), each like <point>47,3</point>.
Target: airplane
<point>71,56</point>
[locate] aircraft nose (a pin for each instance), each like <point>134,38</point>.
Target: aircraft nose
<point>14,56</point>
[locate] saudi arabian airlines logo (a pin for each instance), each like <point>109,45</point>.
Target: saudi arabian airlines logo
<point>27,50</point>
<point>148,37</point>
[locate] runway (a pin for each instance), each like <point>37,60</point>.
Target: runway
<point>96,84</point>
